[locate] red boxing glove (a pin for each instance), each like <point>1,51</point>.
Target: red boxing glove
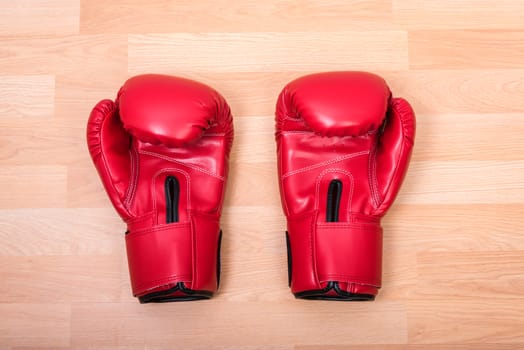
<point>343,147</point>
<point>161,150</point>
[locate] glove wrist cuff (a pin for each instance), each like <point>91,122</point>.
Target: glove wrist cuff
<point>336,260</point>
<point>174,262</point>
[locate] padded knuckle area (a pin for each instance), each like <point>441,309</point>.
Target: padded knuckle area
<point>168,110</point>
<point>339,103</point>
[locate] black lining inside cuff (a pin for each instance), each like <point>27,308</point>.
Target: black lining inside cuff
<point>341,295</point>
<point>165,295</point>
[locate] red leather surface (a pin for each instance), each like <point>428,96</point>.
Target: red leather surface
<point>150,103</point>
<point>164,126</point>
<point>330,99</point>
<point>348,265</point>
<point>161,251</point>
<point>340,126</point>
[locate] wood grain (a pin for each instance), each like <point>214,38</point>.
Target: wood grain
<point>26,186</point>
<point>460,227</point>
<point>462,144</point>
<point>453,249</point>
<point>80,55</point>
<point>486,49</point>
<point>228,16</point>
<point>30,17</point>
<point>480,320</point>
<point>464,182</point>
<point>267,51</point>
<point>15,91</point>
<point>156,325</point>
<point>456,346</point>
<point>499,275</point>
<point>465,14</point>
<point>461,91</point>
<point>35,324</point>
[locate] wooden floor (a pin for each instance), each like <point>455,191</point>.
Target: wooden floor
<point>454,239</point>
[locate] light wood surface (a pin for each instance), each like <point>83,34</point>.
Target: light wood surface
<point>453,247</point>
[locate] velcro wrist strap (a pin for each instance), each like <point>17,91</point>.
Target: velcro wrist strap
<point>338,251</point>
<point>159,256</point>
<point>162,256</point>
<point>350,253</point>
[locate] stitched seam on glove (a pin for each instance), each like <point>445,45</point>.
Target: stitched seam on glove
<point>146,231</point>
<point>281,185</point>
<point>345,227</point>
<point>311,132</point>
<point>394,175</point>
<point>166,170</point>
<point>312,240</point>
<point>350,279</point>
<point>134,172</point>
<point>104,162</point>
<point>194,257</point>
<point>372,176</point>
<point>173,160</point>
<point>328,162</point>
<point>403,144</point>
<point>160,282</point>
<point>334,170</point>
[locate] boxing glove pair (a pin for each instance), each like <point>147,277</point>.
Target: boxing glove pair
<point>343,147</point>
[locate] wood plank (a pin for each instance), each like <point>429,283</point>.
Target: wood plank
<point>48,231</point>
<point>27,324</point>
<point>465,320</point>
<point>254,140</point>
<point>266,236</point>
<point>85,56</point>
<point>27,186</point>
<point>39,17</point>
<point>472,275</point>
<point>460,91</point>
<point>454,227</point>
<point>460,182</point>
<point>227,16</point>
<point>473,346</point>
<point>60,279</point>
<point>76,96</point>
<point>152,326</point>
<point>266,52</point>
<point>84,187</point>
<point>248,249</point>
<point>486,49</point>
<point>17,91</point>
<point>247,180</point>
<point>469,137</point>
<point>32,140</point>
<point>222,347</point>
<point>464,14</point>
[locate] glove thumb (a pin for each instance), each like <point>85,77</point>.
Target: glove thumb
<point>393,152</point>
<point>109,144</point>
